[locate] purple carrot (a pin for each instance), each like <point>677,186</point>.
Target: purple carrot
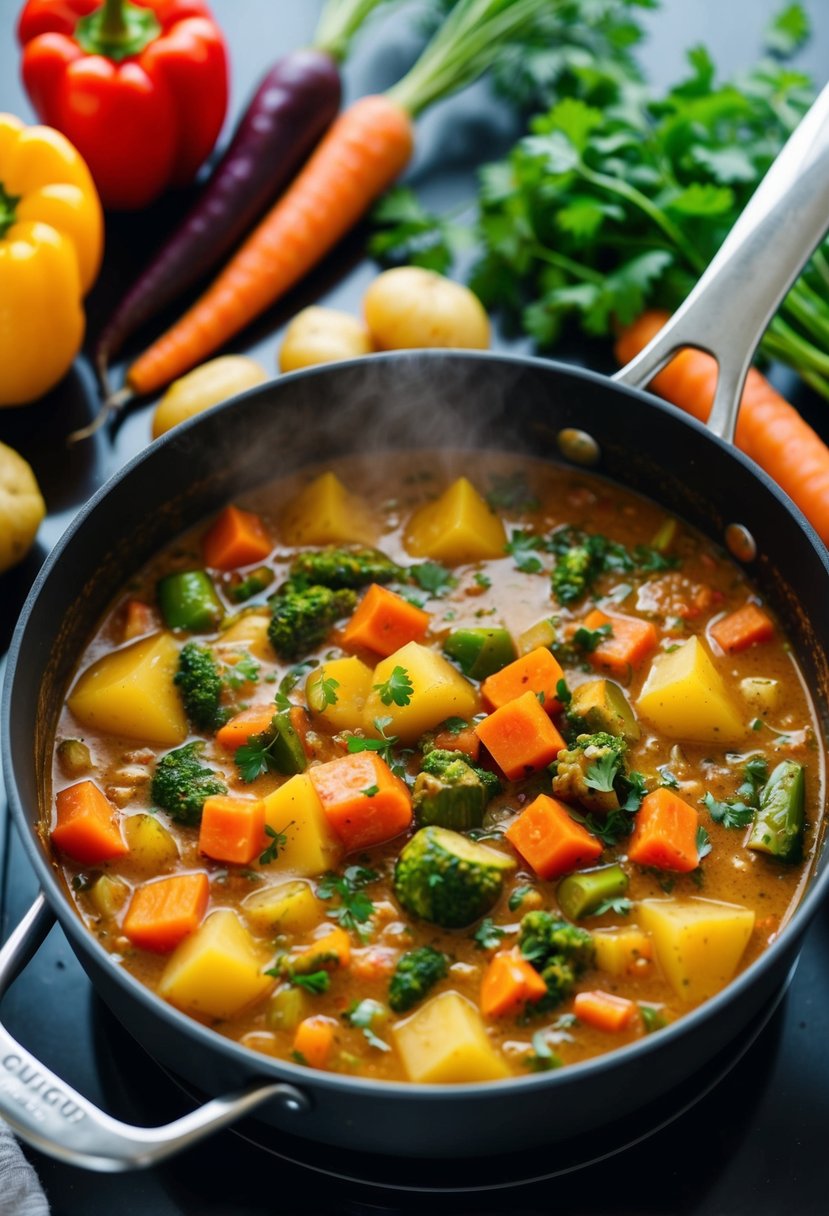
<point>293,106</point>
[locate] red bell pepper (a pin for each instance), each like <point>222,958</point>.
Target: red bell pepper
<point>139,88</point>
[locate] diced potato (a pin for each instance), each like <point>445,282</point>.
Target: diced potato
<point>698,942</point>
<point>311,847</point>
<point>131,692</point>
<point>354,681</point>
<point>445,1042</point>
<point>762,695</point>
<point>439,691</point>
<point>684,697</point>
<point>152,846</point>
<point>618,951</point>
<point>288,907</point>
<point>216,972</point>
<point>541,634</point>
<point>459,527</point>
<point>107,895</point>
<point>325,513</point>
<point>248,633</point>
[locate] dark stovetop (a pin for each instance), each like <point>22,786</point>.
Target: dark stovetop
<point>756,1143</point>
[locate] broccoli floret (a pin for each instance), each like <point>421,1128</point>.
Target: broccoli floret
<point>301,618</point>
<point>415,974</point>
<point>558,950</point>
<point>580,558</point>
<point>181,784</point>
<point>343,567</point>
<point>592,771</point>
<point>451,791</point>
<point>448,879</point>
<point>200,685</point>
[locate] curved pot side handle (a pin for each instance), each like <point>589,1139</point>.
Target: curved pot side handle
<point>54,1118</point>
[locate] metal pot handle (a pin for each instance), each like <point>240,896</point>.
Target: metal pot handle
<point>52,1117</point>
<point>732,304</point>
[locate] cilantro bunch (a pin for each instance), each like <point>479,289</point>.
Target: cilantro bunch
<point>618,197</point>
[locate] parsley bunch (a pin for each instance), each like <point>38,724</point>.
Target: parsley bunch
<point>619,196</point>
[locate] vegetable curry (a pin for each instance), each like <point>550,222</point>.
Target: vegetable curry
<point>447,771</point>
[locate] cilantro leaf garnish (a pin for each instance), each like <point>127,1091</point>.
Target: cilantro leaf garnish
<point>523,547</point>
<point>355,907</point>
<point>313,981</point>
<point>432,577</point>
<point>278,840</point>
<point>488,935</point>
<point>397,689</point>
<point>361,1015</point>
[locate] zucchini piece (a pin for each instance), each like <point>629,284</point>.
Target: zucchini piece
<point>780,822</point>
<point>602,706</point>
<point>447,879</point>
<point>480,652</point>
<point>579,894</point>
<point>188,600</point>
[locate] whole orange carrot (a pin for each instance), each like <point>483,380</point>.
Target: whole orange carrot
<point>362,154</point>
<point>769,430</point>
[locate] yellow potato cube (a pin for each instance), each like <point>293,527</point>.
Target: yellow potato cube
<point>354,680</point>
<point>295,811</point>
<point>152,846</point>
<point>698,942</point>
<point>618,951</point>
<point>762,695</point>
<point>248,633</point>
<point>217,971</point>
<point>107,895</point>
<point>439,691</point>
<point>459,527</point>
<point>287,907</point>
<point>131,692</point>
<point>446,1042</point>
<point>684,697</point>
<point>325,513</point>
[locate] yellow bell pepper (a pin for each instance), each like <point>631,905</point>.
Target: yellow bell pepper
<point>51,241</point>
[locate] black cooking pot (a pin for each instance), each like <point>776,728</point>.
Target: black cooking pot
<point>407,401</point>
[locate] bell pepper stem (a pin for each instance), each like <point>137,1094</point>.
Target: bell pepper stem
<point>117,30</point>
<point>8,209</point>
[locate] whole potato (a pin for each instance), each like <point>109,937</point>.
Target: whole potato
<point>206,385</point>
<point>409,307</point>
<point>21,507</point>
<point>322,335</point>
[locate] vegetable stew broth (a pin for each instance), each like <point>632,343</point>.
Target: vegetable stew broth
<point>540,795</point>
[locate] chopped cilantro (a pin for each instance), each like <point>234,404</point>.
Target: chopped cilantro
<point>397,689</point>
<point>488,935</point>
<point>522,547</point>
<point>432,577</point>
<point>278,840</point>
<point>354,908</point>
<point>314,981</point>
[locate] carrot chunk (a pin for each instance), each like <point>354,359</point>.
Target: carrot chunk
<point>87,830</point>
<point>232,829</point>
<point>364,802</point>
<point>508,983</point>
<point>665,833</point>
<point>253,721</point>
<point>743,628</point>
<point>236,538</point>
<point>520,737</point>
<point>627,646</point>
<point>314,1039</point>
<point>383,622</point>
<point>139,619</point>
<point>550,840</point>
<point>604,1010</point>
<point>465,741</point>
<point>163,912</point>
<point>539,672</point>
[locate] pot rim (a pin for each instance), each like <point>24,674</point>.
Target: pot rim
<point>272,1068</point>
